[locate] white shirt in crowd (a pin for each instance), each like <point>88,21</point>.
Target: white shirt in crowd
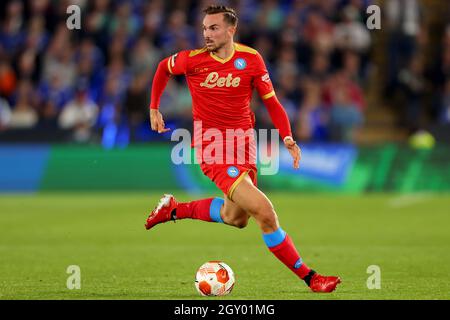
<point>77,112</point>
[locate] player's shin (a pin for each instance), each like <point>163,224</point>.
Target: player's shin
<point>281,245</point>
<point>204,209</point>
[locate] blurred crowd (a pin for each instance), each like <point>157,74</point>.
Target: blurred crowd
<point>418,67</point>
<point>94,83</point>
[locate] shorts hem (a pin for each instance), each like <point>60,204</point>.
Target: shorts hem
<point>235,183</point>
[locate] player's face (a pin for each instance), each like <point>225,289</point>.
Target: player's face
<point>216,32</point>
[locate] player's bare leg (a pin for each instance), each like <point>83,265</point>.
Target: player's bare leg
<point>252,200</point>
<point>233,215</point>
<point>248,197</point>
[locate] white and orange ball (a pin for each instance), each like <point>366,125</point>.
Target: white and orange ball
<point>214,278</point>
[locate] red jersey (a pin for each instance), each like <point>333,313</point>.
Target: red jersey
<point>221,89</point>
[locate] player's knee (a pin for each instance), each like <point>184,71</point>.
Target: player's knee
<point>241,223</point>
<point>266,216</point>
<point>262,209</point>
<point>269,220</point>
<point>235,220</point>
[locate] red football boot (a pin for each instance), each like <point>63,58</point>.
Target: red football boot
<point>321,283</point>
<point>162,212</point>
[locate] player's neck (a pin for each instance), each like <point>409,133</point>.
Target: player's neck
<point>226,51</point>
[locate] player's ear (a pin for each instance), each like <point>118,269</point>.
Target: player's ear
<point>232,30</point>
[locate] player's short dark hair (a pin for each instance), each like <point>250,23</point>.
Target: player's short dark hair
<point>229,15</point>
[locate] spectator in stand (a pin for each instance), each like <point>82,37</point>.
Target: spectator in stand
<point>318,32</point>
<point>7,79</point>
<point>79,115</point>
<point>404,25</point>
<point>345,116</point>
<point>445,65</point>
<point>54,91</point>
<point>269,16</point>
<point>118,70</point>
<point>351,34</point>
<point>27,66</point>
<point>351,67</point>
<point>340,80</point>
<point>444,114</point>
<point>412,87</point>
<point>313,117</point>
<point>59,59</point>
<point>136,102</point>
<point>144,57</point>
<point>124,19</point>
<point>12,35</point>
<point>177,28</point>
<point>319,68</point>
<point>37,36</point>
<point>445,104</point>
<point>23,115</point>
<point>89,60</point>
<point>96,23</point>
<point>5,114</point>
<point>153,18</point>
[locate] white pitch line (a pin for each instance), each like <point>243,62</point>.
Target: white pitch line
<point>408,200</point>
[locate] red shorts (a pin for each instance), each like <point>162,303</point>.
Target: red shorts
<point>227,176</point>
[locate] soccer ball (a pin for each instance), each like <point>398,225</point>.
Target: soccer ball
<point>214,278</point>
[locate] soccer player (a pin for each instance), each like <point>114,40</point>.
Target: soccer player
<point>221,77</point>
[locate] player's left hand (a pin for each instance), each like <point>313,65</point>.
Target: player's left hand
<point>294,150</point>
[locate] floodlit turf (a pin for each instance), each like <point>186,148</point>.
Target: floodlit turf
<point>408,237</point>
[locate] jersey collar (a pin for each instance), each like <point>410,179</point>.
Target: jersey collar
<point>226,59</point>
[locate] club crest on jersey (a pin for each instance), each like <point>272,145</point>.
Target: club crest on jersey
<point>240,64</point>
<point>233,172</point>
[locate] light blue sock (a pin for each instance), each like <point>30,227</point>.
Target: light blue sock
<point>275,238</point>
<point>214,209</point>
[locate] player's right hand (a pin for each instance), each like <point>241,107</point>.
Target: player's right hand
<point>157,122</point>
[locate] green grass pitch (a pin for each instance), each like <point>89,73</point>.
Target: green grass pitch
<point>408,237</point>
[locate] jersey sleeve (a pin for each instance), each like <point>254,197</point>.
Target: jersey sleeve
<point>279,116</point>
<point>261,79</point>
<point>263,85</point>
<point>177,63</point>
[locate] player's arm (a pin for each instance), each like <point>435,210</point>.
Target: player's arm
<point>276,111</point>
<point>173,65</point>
<point>281,122</point>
